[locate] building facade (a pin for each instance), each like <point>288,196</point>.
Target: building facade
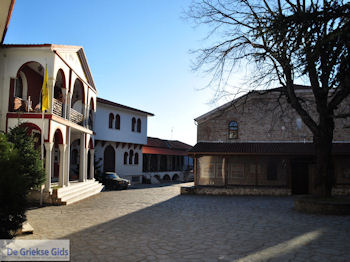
<point>121,132</point>
<point>257,144</point>
<point>166,160</point>
<point>66,125</point>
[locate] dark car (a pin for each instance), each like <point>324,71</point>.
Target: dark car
<point>112,181</point>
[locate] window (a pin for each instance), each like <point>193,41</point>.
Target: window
<point>117,122</point>
<point>133,122</point>
<point>136,159</point>
<point>233,130</point>
<point>111,118</point>
<point>131,155</point>
<point>139,125</point>
<point>125,158</point>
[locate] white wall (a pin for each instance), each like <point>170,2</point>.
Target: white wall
<point>103,132</point>
<point>121,169</point>
<point>11,59</point>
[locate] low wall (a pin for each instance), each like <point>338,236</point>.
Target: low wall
<point>236,191</point>
<point>161,175</point>
<point>34,197</point>
<point>341,190</point>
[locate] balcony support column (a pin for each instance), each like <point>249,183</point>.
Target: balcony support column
<point>62,169</point>
<point>92,171</point>
<point>83,156</point>
<point>48,165</point>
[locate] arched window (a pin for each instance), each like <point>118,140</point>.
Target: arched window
<point>131,155</point>
<point>125,158</point>
<point>136,159</point>
<point>133,122</point>
<point>233,130</point>
<point>111,118</point>
<point>139,125</point>
<point>117,121</point>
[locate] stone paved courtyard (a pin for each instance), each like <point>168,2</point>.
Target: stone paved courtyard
<point>157,224</point>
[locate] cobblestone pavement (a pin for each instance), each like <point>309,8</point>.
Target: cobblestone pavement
<point>157,224</point>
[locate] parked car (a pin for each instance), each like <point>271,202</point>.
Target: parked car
<point>112,181</point>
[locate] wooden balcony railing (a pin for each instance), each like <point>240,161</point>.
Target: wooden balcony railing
<point>76,117</point>
<point>57,107</point>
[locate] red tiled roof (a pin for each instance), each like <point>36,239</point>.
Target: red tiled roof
<point>262,148</point>
<point>165,147</point>
<point>107,102</point>
<point>163,143</point>
<point>163,151</point>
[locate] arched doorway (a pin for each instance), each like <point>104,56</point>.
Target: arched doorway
<point>58,139</point>
<point>59,94</point>
<point>77,103</point>
<point>74,160</point>
<point>109,159</point>
<point>90,164</point>
<point>176,177</point>
<point>24,94</point>
<point>35,132</point>
<point>91,114</point>
<point>166,177</point>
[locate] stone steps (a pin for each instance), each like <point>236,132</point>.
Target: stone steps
<point>76,192</point>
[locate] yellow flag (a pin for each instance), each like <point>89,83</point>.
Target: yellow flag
<point>45,93</point>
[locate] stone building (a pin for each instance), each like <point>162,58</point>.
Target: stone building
<point>257,144</point>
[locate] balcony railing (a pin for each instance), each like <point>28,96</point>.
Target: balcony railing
<point>57,107</point>
<point>76,117</point>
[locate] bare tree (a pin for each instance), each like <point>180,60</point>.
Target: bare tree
<point>286,40</point>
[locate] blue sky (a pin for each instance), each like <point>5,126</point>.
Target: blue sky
<point>138,53</point>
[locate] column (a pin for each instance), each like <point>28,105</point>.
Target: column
<point>195,175</point>
<point>158,163</point>
<point>61,177</point>
<point>67,160</point>
<point>69,105</point>
<point>48,167</point>
<point>83,156</point>
<point>92,171</point>
<point>65,103</point>
<point>148,163</point>
<point>50,86</point>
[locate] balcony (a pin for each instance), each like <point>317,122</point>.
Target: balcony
<point>76,117</point>
<point>57,107</point>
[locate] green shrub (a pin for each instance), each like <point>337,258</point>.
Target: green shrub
<point>20,171</point>
<point>12,190</point>
<point>30,166</point>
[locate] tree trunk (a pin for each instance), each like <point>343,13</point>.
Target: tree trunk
<point>324,176</point>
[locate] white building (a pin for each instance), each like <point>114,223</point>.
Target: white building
<point>121,132</point>
<point>68,122</point>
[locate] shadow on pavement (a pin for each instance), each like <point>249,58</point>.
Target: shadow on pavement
<point>212,228</point>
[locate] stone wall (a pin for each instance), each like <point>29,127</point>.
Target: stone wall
<point>263,118</point>
<point>242,170</point>
<point>236,191</point>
